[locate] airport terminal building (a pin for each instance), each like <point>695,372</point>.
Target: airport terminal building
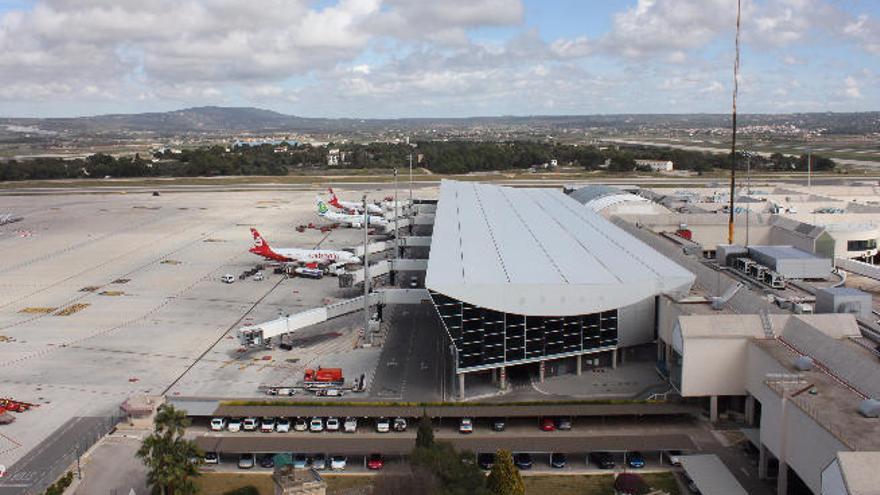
<point>528,275</point>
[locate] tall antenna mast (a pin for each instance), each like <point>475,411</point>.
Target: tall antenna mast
<point>733,140</point>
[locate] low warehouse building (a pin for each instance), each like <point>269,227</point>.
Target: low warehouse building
<point>790,262</point>
<point>522,276</point>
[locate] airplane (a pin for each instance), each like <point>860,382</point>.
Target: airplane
<point>355,221</point>
<point>352,206</point>
<point>303,256</point>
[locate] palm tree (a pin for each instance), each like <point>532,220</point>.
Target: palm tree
<point>170,459</point>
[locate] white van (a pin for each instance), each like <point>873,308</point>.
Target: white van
<point>227,279</point>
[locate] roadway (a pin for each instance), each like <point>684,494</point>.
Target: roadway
<point>41,466</point>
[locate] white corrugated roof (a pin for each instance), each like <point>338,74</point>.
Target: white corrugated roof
<point>539,252</point>
<point>711,475</point>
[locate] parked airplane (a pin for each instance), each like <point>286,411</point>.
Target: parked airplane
<point>355,221</point>
<point>352,206</point>
<point>302,256</point>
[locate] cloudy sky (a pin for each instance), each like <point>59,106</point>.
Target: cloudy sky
<point>411,58</point>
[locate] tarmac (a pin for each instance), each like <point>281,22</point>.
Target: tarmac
<point>103,296</point>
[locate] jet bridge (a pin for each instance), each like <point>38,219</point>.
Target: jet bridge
<point>384,267</point>
<point>260,334</point>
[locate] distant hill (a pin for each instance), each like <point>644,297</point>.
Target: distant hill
<point>213,120</point>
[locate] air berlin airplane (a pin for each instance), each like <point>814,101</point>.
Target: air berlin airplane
<point>300,256</point>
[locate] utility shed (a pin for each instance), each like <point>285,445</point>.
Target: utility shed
<point>791,262</point>
<point>843,300</point>
<point>711,475</point>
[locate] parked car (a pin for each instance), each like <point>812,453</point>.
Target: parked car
<point>399,424</point>
<point>300,424</point>
<point>350,425</point>
<point>602,460</point>
<point>558,460</point>
<point>319,462</point>
<point>234,425</point>
<point>227,278</point>
<point>316,425</point>
<point>673,456</point>
<point>523,460</point>
<point>282,425</point>
<point>258,276</point>
<point>635,460</point>
<point>211,458</point>
<point>332,424</point>
<point>267,461</point>
<point>375,462</point>
<point>498,424</point>
<point>246,461</point>
<point>466,425</point>
<point>337,462</point>
<point>486,460</point>
<point>249,424</point>
<point>267,425</point>
<point>300,461</point>
<point>563,424</point>
<point>383,425</point>
<point>218,424</point>
<point>547,424</point>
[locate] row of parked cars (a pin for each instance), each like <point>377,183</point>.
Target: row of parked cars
<point>318,462</point>
<point>315,425</point>
<point>350,425</point>
<point>602,460</point>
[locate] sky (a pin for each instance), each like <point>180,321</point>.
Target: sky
<point>429,58</point>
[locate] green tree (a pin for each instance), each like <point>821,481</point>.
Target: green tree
<point>504,479</point>
<point>170,459</point>
<point>425,433</point>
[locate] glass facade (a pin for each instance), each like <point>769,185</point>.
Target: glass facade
<point>487,339</point>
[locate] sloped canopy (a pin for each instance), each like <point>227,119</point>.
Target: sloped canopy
<point>539,252</point>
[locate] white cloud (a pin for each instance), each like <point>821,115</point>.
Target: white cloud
<point>852,88</point>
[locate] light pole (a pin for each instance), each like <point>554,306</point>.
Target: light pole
<point>749,191</point>
<point>367,332</point>
<point>396,226</point>
<point>412,216</point>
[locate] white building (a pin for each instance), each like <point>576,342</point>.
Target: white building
<point>528,275</point>
<point>333,157</point>
<point>656,165</point>
<point>799,379</point>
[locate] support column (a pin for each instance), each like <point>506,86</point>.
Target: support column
<point>622,354</point>
<point>713,409</point>
<point>502,378</point>
<point>782,479</point>
<point>750,410</point>
<point>461,386</point>
<point>580,364</point>
<point>494,376</point>
<point>541,367</point>
<point>762,462</point>
<point>614,359</point>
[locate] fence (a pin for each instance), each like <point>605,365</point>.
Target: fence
<point>32,475</point>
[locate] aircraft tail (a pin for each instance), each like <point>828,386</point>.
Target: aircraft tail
<point>333,199</point>
<point>321,205</point>
<point>260,244</point>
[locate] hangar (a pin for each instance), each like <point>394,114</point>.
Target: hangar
<point>524,275</point>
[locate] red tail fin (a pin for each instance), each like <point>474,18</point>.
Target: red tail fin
<point>260,244</point>
<point>334,200</point>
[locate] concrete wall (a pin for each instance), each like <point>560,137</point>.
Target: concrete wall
<point>783,237</point>
<point>809,447</point>
<point>635,323</point>
<point>832,480</point>
<point>714,367</point>
<point>667,316</point>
